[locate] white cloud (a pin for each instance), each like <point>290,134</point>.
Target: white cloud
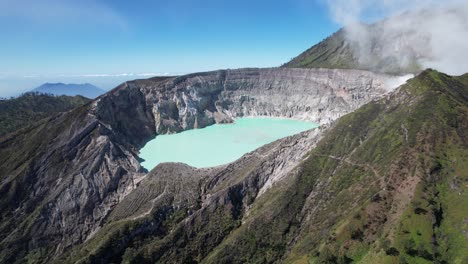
<point>435,32</point>
<point>346,12</point>
<point>125,74</point>
<point>395,82</point>
<point>103,75</point>
<point>154,74</point>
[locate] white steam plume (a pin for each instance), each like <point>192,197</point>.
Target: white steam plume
<point>434,34</point>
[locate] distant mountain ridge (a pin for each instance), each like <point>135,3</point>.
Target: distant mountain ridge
<point>86,89</point>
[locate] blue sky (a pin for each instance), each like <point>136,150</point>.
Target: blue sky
<point>93,41</point>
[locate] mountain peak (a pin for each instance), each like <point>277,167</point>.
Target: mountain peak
<point>407,43</point>
<point>85,89</point>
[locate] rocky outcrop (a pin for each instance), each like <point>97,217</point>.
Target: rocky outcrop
<point>175,191</point>
<point>182,186</point>
<point>360,194</point>
<point>62,177</point>
<point>357,190</point>
<point>197,100</point>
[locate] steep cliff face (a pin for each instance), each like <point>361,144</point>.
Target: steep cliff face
<point>194,208</point>
<point>384,184</point>
<point>62,177</point>
<point>197,100</point>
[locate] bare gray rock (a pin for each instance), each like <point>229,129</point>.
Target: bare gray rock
<point>86,161</point>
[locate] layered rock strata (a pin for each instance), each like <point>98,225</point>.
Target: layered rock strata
<point>63,176</point>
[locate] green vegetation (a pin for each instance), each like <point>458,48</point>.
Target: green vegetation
<point>387,184</point>
<point>425,162</point>
<point>31,107</point>
<point>18,156</point>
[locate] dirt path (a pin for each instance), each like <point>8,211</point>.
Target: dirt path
<point>346,160</point>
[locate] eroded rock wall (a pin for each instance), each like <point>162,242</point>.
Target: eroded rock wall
<point>198,100</point>
<point>87,160</point>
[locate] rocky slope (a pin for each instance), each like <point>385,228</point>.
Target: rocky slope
<point>62,177</point>
<point>384,184</point>
<point>198,100</point>
<point>332,52</point>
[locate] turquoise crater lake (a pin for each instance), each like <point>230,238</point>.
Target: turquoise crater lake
<point>220,143</point>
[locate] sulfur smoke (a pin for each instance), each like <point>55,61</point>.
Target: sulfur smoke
<point>416,34</point>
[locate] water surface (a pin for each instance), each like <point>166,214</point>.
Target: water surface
<point>220,143</point>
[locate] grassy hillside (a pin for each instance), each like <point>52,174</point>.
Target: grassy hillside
<point>22,111</point>
<point>405,203</point>
<point>387,184</point>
